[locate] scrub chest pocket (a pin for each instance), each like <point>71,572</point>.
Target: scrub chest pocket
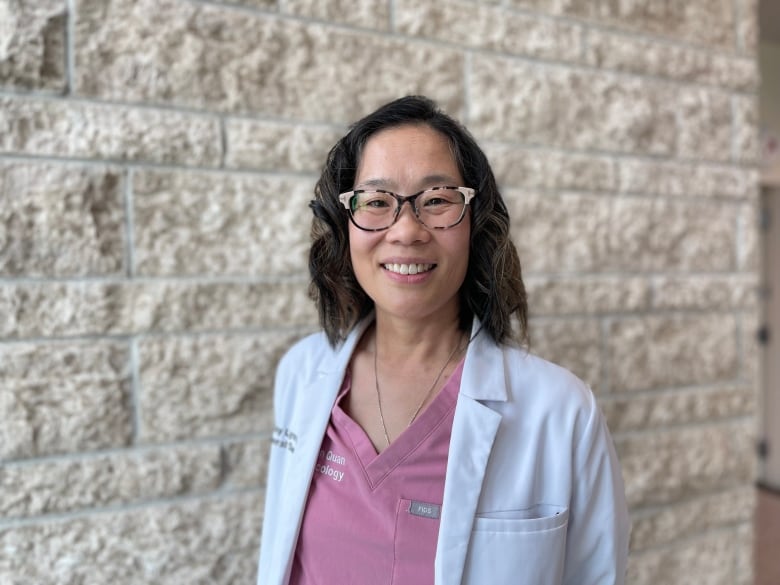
<point>518,546</point>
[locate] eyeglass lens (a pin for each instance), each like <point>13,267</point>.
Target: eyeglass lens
<point>435,208</point>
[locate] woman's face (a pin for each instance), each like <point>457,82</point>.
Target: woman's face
<point>405,160</point>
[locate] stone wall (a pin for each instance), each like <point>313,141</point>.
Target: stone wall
<point>156,158</point>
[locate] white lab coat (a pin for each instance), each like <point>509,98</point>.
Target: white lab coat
<point>532,494</point>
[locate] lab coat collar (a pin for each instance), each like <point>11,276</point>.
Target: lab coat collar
<point>484,371</point>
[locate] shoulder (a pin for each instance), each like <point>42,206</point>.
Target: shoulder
<point>544,379</point>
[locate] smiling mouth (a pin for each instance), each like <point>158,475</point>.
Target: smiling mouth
<point>408,268</point>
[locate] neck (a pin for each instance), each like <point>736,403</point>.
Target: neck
<point>402,341</point>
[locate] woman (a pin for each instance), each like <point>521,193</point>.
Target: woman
<point>416,441</point>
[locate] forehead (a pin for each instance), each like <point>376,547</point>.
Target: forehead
<point>407,154</point>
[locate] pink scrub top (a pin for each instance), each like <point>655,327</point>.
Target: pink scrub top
<point>374,518</point>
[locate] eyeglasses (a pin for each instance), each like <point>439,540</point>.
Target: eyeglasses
<point>437,208</point>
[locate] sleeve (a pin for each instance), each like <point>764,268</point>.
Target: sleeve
<point>599,526</point>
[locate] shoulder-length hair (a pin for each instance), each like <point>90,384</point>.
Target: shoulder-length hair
<point>493,288</point>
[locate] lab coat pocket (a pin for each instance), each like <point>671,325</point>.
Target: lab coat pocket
<point>518,546</point>
<point>416,531</point>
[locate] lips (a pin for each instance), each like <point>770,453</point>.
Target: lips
<point>408,268</point>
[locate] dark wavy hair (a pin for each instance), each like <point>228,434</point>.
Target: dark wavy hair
<point>493,288</point>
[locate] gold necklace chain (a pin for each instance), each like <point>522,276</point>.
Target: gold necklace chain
<point>419,406</point>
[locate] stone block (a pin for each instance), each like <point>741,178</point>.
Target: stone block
<point>202,542</point>
<point>704,124</point>
<point>246,463</point>
<point>659,526</point>
<point>100,131</point>
<point>487,27</point>
<point>219,224</point>
<point>208,385</point>
<point>572,343</point>
<point>37,309</point>
<point>515,166</point>
<point>234,61</point>
<point>622,52</point>
<point>697,21</point>
<point>749,237</point>
<point>590,295</point>
<point>372,14</point>
<point>516,101</point>
<point>682,407</point>
<point>745,544</point>
<point>208,306</point>
<point>752,353</point>
<point>676,179</point>
<point>60,220</point>
<point>124,477</point>
<point>32,52</point>
<point>675,350</point>
<point>269,146</point>
<point>63,397</point>
<point>588,233</point>
<point>748,36</point>
<point>747,144</point>
<point>708,558</point>
<point>662,468</point>
<point>735,291</point>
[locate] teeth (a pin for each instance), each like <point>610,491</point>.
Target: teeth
<point>408,268</point>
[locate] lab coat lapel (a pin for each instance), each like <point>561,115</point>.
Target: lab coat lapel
<point>474,429</point>
<point>310,424</point>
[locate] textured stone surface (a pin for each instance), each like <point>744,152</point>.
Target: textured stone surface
<point>218,224</point>
<point>682,180</point>
<point>86,130</point>
<point>67,485</point>
<point>572,343</point>
<point>662,351</point>
<point>704,124</point>
<point>89,308</point>
<point>660,526</point>
<point>706,292</point>
<point>373,14</point>
<point>549,169</point>
<point>474,25</point>
<point>517,101</point>
<point>246,463</point>
<point>709,22</point>
<point>234,61</point>
<point>749,236</point>
<point>207,385</point>
<point>32,44</point>
<point>587,295</point>
<point>712,555</point>
<point>747,26</point>
<point>747,145</point>
<point>257,144</point>
<point>685,407</point>
<point>63,397</point>
<point>745,544</point>
<point>631,234</point>
<point>607,50</point>
<point>208,542</point>
<point>666,467</point>
<point>60,220</point>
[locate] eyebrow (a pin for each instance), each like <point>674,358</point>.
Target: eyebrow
<point>434,180</point>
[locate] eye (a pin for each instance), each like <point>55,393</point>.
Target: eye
<point>373,201</point>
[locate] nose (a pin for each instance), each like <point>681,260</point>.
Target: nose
<point>407,229</point>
